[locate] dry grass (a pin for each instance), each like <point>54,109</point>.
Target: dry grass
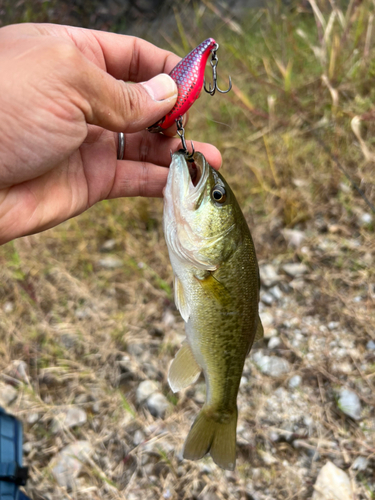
<point>89,335</point>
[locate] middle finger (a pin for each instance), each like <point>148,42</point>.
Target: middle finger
<point>156,148</point>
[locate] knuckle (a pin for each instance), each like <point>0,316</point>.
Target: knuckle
<point>135,62</point>
<point>133,101</point>
<point>143,179</point>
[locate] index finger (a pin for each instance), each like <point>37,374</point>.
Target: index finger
<point>126,57</point>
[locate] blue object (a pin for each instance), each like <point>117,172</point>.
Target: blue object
<point>12,474</point>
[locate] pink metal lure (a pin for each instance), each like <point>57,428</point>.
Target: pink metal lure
<point>189,77</point>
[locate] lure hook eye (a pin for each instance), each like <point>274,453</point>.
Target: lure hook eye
<point>181,134</point>
<point>212,88</point>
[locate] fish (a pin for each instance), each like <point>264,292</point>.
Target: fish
<point>216,290</point>
<point>188,75</point>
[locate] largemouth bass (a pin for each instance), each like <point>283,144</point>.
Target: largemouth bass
<point>216,287</point>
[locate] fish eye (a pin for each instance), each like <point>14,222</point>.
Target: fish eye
<point>219,194</point>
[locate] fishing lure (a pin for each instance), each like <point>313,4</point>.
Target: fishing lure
<point>189,77</point>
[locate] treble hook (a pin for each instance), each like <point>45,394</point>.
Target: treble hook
<point>214,61</point>
<point>181,135</point>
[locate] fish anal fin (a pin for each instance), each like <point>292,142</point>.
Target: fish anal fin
<point>213,288</point>
<point>180,299</point>
<point>184,370</point>
<point>259,334</point>
<point>216,437</point>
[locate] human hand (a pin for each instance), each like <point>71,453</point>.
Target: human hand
<point>63,100</point>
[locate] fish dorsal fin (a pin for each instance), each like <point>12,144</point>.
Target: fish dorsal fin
<point>180,299</point>
<point>259,334</point>
<point>184,370</point>
<point>213,288</point>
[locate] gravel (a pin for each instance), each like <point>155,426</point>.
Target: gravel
<point>73,417</point>
<point>110,262</point>
<point>145,390</point>
<point>67,465</point>
<point>360,464</point>
<point>271,365</point>
<point>7,394</point>
<point>350,404</point>
<point>268,275</point>
<point>332,484</point>
<point>295,382</point>
<point>158,404</point>
<point>294,237</point>
<point>295,270</point>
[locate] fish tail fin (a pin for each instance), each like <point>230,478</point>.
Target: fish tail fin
<point>208,435</point>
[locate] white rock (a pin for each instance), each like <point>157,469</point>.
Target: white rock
<point>332,325</point>
<point>267,458</point>
<point>370,345</point>
<point>350,404</point>
<point>267,298</point>
<point>158,404</point>
<point>96,407</point>
<point>108,246</point>
<point>365,219</point>
<point>8,307</point>
<point>271,365</point>
<point>32,417</point>
<point>273,342</point>
<point>270,332</point>
<point>138,437</point>
<point>168,318</point>
<point>266,319</point>
<point>67,465</point>
<point>18,369</point>
<point>110,262</point>
<point>145,389</point>
<point>27,447</point>
<point>73,417</point>
<point>268,275</point>
<point>295,381</point>
<point>295,269</point>
<point>294,237</point>
<point>7,394</point>
<point>276,292</point>
<point>332,483</point>
<point>360,463</point>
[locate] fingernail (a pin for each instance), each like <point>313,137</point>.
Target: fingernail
<point>161,87</point>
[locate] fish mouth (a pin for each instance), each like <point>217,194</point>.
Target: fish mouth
<point>187,179</point>
<point>195,171</point>
<point>198,171</point>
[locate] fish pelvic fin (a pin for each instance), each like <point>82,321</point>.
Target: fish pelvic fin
<point>184,370</point>
<point>214,436</point>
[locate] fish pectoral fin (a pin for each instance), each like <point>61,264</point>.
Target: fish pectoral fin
<point>184,370</point>
<point>214,288</point>
<point>260,332</point>
<point>180,299</point>
<point>211,436</point>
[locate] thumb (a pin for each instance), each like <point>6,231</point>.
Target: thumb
<point>125,107</point>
